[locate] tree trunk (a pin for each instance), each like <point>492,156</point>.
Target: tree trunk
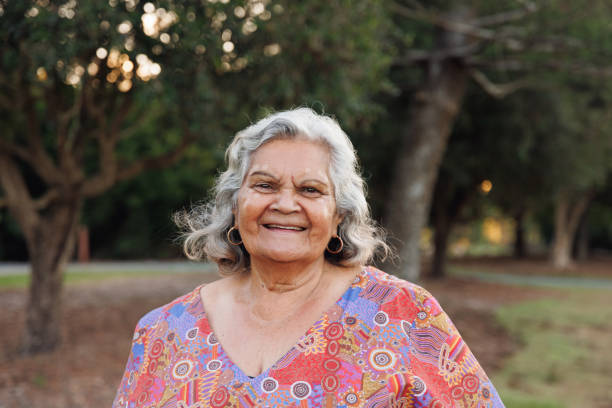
<point>51,247</point>
<point>520,250</point>
<point>449,200</point>
<point>431,117</point>
<point>442,225</point>
<point>567,216</point>
<point>581,248</point>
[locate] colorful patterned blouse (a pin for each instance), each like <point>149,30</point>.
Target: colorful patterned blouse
<point>385,343</point>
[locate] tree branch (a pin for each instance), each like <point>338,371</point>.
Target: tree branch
<point>517,65</point>
<point>46,199</point>
<point>498,91</point>
<point>590,70</point>
<point>106,179</point>
<point>107,142</point>
<point>95,111</point>
<point>64,119</point>
<point>140,118</point>
<point>507,16</point>
<point>122,112</point>
<point>17,197</point>
<point>473,28</point>
<point>38,158</point>
<point>506,64</point>
<point>469,30</point>
<point>107,172</point>
<point>415,56</point>
<point>14,150</point>
<point>577,209</point>
<point>158,162</point>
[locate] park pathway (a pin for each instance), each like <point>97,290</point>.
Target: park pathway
<point>8,269</point>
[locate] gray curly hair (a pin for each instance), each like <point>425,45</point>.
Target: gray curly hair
<point>207,225</point>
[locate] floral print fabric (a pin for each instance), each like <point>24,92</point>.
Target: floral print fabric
<point>385,343</point>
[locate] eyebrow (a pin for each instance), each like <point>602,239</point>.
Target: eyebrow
<point>315,181</point>
<point>262,173</point>
<point>266,174</point>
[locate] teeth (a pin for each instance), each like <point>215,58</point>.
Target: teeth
<point>285,227</point>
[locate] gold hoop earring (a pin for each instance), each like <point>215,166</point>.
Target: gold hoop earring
<point>337,250</point>
<point>229,236</point>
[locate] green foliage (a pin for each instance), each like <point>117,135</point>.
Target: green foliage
<point>282,54</point>
<point>330,55</point>
<point>531,145</point>
<point>504,141</point>
<point>134,219</point>
<point>207,67</point>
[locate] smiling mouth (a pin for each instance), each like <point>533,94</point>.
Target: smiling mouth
<point>284,227</point>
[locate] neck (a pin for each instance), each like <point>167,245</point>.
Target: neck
<point>284,278</point>
<point>276,292</point>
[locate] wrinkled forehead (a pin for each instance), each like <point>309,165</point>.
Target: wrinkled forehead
<point>294,156</point>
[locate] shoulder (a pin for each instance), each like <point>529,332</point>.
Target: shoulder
<point>189,302</point>
<point>397,296</point>
<point>403,287</point>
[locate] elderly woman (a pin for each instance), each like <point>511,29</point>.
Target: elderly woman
<point>299,319</point>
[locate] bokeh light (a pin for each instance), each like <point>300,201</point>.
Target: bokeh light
<point>486,186</point>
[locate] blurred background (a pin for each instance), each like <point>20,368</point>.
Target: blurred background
<point>483,128</point>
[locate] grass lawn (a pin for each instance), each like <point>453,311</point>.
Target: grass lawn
<point>76,276</point>
<point>566,355</point>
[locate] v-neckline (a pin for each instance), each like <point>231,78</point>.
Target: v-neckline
<point>265,373</point>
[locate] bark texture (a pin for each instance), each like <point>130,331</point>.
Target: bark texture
<point>520,245</point>
<point>581,246</point>
<point>49,221</point>
<point>50,249</point>
<point>50,240</point>
<point>442,224</point>
<point>568,212</point>
<point>423,142</point>
<point>449,201</point>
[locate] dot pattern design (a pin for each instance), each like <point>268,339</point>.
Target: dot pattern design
<point>386,342</point>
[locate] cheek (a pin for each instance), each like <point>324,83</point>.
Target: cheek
<point>327,218</point>
<point>242,207</point>
<point>244,202</point>
<point>250,208</point>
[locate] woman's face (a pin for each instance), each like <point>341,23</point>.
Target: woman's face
<point>286,207</point>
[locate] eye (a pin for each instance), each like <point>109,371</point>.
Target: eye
<point>263,186</point>
<point>311,190</point>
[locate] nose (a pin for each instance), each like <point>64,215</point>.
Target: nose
<point>286,201</point>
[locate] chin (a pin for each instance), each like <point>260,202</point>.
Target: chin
<point>286,257</point>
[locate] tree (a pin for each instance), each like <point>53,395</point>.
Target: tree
<point>493,157</point>
<point>515,43</point>
<point>581,160</point>
<point>515,151</point>
<point>80,82</point>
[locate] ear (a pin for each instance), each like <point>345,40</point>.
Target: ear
<point>235,217</point>
<point>338,218</point>
<point>235,208</point>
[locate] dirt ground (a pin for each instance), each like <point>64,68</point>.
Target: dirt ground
<point>99,318</point>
